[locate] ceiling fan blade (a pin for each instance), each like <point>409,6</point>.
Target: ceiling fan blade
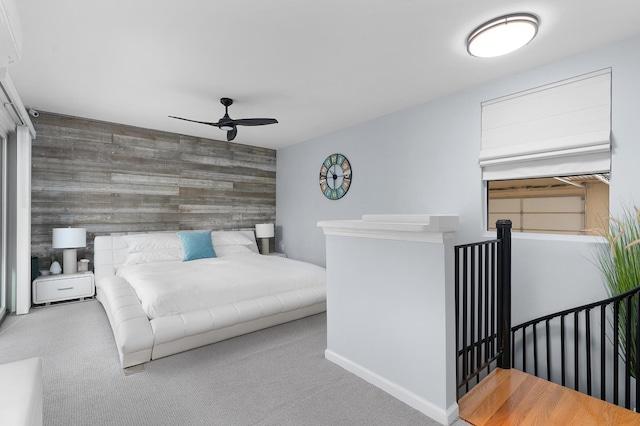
<point>253,121</point>
<point>227,122</point>
<point>196,121</point>
<point>231,134</point>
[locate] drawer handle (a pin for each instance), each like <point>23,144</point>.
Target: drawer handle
<point>65,288</point>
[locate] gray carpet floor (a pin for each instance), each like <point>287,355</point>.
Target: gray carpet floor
<point>274,377</point>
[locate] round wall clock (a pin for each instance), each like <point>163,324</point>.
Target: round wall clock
<point>335,176</point>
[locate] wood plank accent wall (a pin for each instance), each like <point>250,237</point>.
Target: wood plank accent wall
<point>110,178</point>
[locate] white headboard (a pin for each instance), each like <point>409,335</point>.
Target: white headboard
<point>110,252</point>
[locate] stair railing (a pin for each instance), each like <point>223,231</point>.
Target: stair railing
<point>585,348</point>
<point>483,307</point>
<point>588,348</point>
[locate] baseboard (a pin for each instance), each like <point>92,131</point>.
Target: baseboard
<point>445,417</point>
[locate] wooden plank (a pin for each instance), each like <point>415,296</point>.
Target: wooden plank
<point>233,163</point>
<point>480,404</point>
<point>215,175</point>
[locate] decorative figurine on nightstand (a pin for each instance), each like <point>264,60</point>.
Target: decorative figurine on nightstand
<point>55,268</point>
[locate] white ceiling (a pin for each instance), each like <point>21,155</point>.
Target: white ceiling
<point>316,66</point>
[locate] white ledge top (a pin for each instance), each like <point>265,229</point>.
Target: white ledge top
<point>408,227</point>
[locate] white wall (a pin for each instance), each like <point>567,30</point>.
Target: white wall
<point>425,160</point>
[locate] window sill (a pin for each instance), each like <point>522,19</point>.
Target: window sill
<point>549,237</point>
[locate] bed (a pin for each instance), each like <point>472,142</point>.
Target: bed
<point>159,304</point>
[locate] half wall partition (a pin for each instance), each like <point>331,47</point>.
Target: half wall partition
<point>390,306</point>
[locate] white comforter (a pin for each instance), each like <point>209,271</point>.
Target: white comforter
<point>170,288</point>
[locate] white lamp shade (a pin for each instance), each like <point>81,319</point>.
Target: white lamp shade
<point>265,230</point>
<point>69,237</point>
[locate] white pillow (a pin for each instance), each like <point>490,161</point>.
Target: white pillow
<point>154,256</point>
<point>229,238</point>
<point>223,251</point>
<point>153,248</point>
<point>155,241</point>
<point>234,238</point>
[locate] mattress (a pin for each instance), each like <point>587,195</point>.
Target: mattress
<point>176,287</point>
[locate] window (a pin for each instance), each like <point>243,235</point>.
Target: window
<point>562,205</point>
<point>546,155</point>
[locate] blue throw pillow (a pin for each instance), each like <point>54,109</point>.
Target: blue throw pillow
<point>196,245</point>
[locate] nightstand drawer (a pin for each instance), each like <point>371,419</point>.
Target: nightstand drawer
<point>63,287</point>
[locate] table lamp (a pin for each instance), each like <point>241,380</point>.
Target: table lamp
<point>265,231</point>
<point>69,239</point>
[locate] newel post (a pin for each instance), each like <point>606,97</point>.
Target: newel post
<point>504,292</point>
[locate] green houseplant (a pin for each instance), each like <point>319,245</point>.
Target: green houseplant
<point>619,261</point>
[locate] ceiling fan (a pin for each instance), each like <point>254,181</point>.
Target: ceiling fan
<point>229,124</point>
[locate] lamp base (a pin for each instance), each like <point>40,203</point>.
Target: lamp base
<point>69,261</point>
<point>265,245</point>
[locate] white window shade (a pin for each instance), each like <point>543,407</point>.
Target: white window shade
<point>559,129</point>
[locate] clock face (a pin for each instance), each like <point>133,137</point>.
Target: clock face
<point>335,176</point>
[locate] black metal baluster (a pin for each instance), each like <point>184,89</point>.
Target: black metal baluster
<point>546,326</point>
<point>603,352</point>
<point>616,349</point>
<point>576,351</point>
<point>479,359</point>
<point>637,348</point>
<point>535,350</point>
<point>487,344</point>
<point>524,349</point>
<point>627,352</point>
<point>456,290</point>
<point>513,347</point>
<point>472,304</point>
<point>587,345</point>
<point>465,372</point>
<point>494,310</point>
<point>562,361</point>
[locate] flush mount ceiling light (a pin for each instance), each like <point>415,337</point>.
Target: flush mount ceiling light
<point>502,35</point>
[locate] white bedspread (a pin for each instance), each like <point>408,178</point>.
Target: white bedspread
<point>170,288</point>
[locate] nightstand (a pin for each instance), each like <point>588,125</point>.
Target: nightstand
<point>54,288</point>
